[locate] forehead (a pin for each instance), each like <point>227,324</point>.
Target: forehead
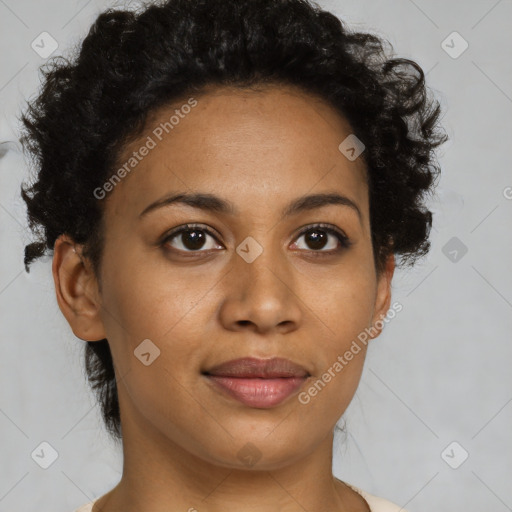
<point>263,146</point>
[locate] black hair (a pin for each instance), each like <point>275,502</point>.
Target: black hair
<point>133,62</point>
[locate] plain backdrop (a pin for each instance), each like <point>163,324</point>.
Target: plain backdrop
<point>430,425</point>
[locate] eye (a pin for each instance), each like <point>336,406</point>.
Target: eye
<point>191,238</point>
<point>317,237</point>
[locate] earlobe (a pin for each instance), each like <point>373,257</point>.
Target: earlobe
<point>76,290</point>
<point>383,298</point>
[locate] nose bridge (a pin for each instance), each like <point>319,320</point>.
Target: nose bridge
<point>261,290</point>
<point>261,266</point>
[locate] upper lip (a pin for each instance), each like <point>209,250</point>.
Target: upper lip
<point>251,367</point>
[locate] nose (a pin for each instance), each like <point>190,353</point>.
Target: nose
<point>261,296</point>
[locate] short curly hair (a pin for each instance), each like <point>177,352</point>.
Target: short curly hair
<point>131,63</point>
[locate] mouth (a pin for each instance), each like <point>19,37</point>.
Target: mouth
<point>259,383</point>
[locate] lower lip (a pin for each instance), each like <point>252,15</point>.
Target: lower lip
<point>261,393</point>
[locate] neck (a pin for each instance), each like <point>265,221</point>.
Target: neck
<point>163,475</point>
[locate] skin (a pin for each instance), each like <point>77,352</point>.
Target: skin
<point>260,150</point>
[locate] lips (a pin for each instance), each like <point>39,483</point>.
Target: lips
<point>251,367</point>
<point>260,383</point>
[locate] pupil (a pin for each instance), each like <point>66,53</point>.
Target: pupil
<point>193,239</point>
<point>316,239</point>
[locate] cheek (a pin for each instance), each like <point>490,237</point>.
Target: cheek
<point>142,302</point>
<point>339,349</point>
<point>178,310</point>
<point>330,392</point>
<point>160,374</point>
<point>342,302</point>
<point>344,308</point>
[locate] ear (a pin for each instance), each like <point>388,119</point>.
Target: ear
<point>383,296</point>
<point>77,290</point>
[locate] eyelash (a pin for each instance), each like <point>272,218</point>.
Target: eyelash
<point>341,237</point>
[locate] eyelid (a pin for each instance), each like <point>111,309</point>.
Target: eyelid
<point>187,227</point>
<point>343,239</point>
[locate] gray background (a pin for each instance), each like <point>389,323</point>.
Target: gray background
<point>439,373</point>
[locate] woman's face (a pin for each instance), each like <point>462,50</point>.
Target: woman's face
<point>246,282</point>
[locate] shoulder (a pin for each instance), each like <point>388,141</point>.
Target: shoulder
<point>376,503</point>
<point>87,507</point>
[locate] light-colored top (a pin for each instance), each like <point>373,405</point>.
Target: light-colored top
<point>375,503</point>
<point>378,504</point>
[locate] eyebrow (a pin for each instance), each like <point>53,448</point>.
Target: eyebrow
<point>212,203</point>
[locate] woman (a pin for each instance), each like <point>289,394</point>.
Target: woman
<point>225,185</point>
